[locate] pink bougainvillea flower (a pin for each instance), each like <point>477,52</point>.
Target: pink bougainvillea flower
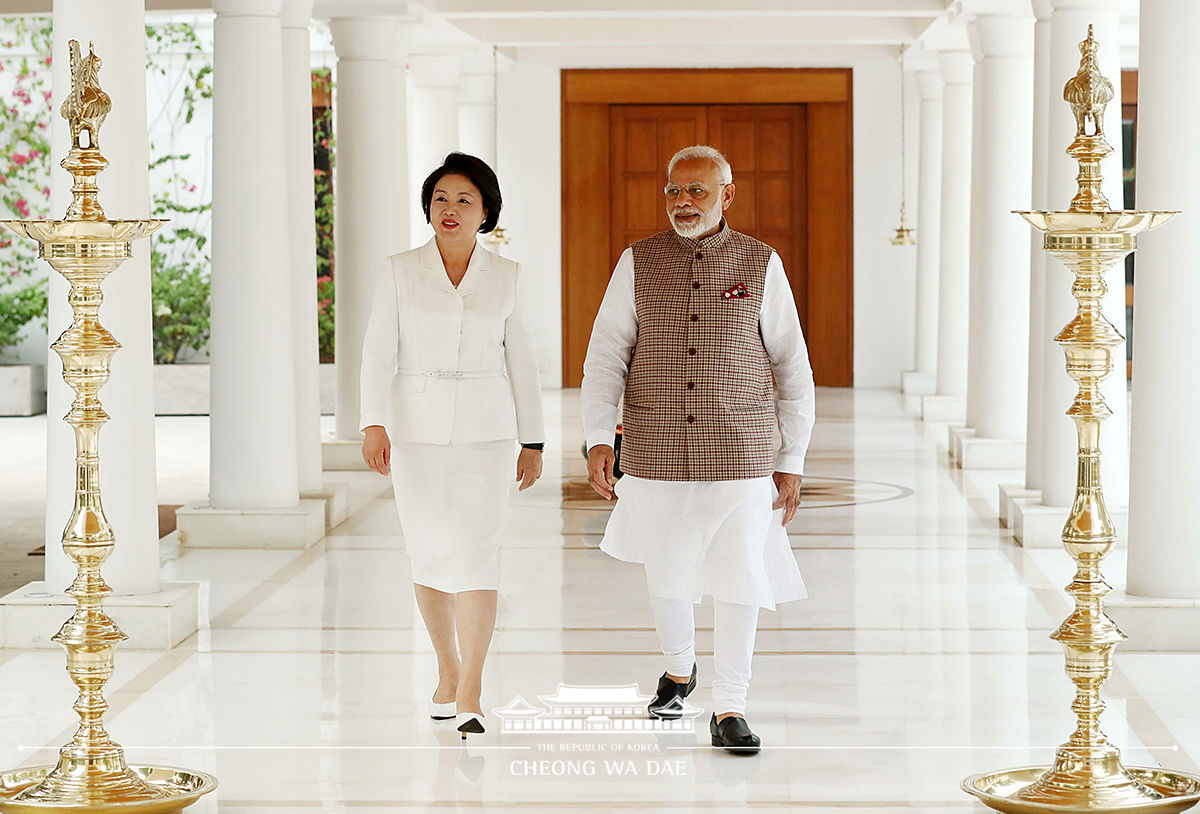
<point>46,191</point>
<point>18,159</point>
<point>47,60</point>
<point>22,207</point>
<point>34,154</point>
<point>46,95</point>
<point>191,188</point>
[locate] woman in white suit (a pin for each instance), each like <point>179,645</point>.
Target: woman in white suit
<point>440,414</point>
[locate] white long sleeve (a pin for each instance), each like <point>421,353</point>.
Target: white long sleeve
<point>609,351</point>
<point>795,396</point>
<point>520,356</point>
<point>380,345</point>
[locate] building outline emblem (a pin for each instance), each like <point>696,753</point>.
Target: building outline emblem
<point>592,709</point>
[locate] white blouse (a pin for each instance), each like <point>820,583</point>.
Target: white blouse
<point>446,365</point>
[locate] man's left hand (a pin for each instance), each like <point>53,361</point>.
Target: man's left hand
<point>789,494</point>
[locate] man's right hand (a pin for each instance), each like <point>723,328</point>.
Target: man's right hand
<point>377,449</point>
<point>602,460</point>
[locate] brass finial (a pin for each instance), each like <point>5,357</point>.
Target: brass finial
<point>84,109</point>
<point>1088,93</point>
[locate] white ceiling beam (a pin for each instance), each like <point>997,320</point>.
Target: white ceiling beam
<point>685,30</point>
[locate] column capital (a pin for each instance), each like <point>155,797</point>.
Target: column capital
<point>296,13</point>
<point>247,8</point>
<point>972,8</point>
<point>956,66</point>
<point>1042,10</point>
<point>371,39</point>
<point>1085,5</point>
<point>1001,35</point>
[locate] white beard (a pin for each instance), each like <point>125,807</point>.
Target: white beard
<point>708,220</point>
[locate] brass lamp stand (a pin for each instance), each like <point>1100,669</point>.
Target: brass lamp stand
<point>86,247</point>
<point>1089,238</point>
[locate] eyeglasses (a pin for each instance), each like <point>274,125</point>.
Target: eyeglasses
<point>696,191</point>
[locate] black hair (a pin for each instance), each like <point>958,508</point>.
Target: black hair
<point>479,174</point>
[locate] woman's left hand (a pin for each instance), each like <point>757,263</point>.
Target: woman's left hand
<point>529,467</point>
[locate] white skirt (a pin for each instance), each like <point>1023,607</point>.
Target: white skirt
<point>451,500</point>
<point>706,537</point>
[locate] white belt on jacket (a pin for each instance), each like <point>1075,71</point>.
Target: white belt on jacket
<point>451,374</point>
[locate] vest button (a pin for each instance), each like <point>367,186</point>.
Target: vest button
<point>699,256</point>
<point>691,351</point>
<point>691,385</point>
<point>691,418</point>
<point>695,285</point>
<point>694,317</point>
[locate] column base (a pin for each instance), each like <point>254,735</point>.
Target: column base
<point>299,526</point>
<point>29,616</point>
<point>336,499</point>
<point>990,453</point>
<point>1010,494</point>
<point>955,434</point>
<point>916,383</point>
<point>945,409</point>
<point>1153,623</point>
<point>342,456</point>
<point>1035,525</point>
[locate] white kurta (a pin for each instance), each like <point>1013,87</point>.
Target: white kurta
<point>451,374</point>
<point>700,537</point>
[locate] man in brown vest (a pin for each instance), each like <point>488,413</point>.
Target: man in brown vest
<point>695,324</point>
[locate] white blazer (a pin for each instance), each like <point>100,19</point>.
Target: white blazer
<point>435,357</point>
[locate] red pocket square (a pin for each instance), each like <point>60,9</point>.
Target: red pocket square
<point>736,291</point>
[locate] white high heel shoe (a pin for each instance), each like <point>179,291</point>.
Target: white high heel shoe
<point>469,722</point>
<point>442,712</point>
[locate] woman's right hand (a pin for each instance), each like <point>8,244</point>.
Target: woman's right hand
<point>377,449</point>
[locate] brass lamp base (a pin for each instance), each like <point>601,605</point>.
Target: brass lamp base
<point>1176,791</point>
<point>177,789</point>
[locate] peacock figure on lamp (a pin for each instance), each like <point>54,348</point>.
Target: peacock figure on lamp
<point>1089,238</point>
<point>85,247</point>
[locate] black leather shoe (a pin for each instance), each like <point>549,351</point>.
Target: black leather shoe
<point>668,699</point>
<point>733,735</point>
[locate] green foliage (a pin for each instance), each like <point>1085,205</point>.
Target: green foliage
<point>181,307</point>
<point>179,258</point>
<point>24,169</point>
<point>325,317</point>
<point>18,307</point>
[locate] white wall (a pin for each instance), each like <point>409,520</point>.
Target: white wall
<point>530,156</point>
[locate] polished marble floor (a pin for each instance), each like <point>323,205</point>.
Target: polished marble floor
<point>921,656</point>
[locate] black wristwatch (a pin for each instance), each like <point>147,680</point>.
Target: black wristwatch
<point>539,446</point>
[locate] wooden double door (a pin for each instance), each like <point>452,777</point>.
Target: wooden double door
<point>791,169</point>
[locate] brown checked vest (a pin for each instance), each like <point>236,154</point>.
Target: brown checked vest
<point>699,399</point>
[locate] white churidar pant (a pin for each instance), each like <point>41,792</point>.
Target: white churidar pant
<point>734,627</point>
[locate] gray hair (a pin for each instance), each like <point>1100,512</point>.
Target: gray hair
<point>708,154</point>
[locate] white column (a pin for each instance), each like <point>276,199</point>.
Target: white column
<point>999,279</point>
<point>302,237</point>
<point>405,198</point>
<point>929,214</point>
<point>1068,27</point>
<point>253,435</point>
<point>954,238</point>
<point>1164,559</point>
<point>127,468</point>
<point>1039,339</point>
<point>434,126</point>
<point>477,109</point>
<point>363,193</point>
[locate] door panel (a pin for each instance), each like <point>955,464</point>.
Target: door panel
<point>789,142</point>
<point>644,137</point>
